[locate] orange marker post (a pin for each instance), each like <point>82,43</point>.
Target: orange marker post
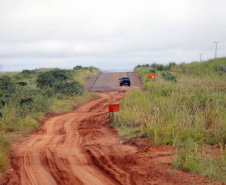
<point>151,75</point>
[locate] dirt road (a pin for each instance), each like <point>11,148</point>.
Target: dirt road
<point>80,148</point>
<point>68,149</point>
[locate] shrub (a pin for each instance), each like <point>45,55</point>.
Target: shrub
<point>152,71</point>
<point>22,83</point>
<point>71,88</point>
<point>5,82</point>
<point>160,67</point>
<point>51,78</point>
<point>77,67</point>
<point>169,76</point>
<point>170,66</point>
<point>28,72</point>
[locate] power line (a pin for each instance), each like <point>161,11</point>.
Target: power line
<point>216,49</point>
<point>200,57</point>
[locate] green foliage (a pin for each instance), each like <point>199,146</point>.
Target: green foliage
<point>158,67</point>
<point>22,83</point>
<point>5,82</point>
<point>183,156</point>
<point>77,67</point>
<point>168,76</point>
<point>143,65</point>
<point>186,114</point>
<point>51,78</point>
<point>193,158</point>
<point>211,67</point>
<point>55,81</point>
<point>168,113</point>
<point>71,88</point>
<point>80,73</point>
<point>91,68</point>
<point>170,66</point>
<point>152,71</point>
<point>28,72</point>
<point>4,149</point>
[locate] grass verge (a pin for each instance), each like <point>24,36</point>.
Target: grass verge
<point>184,102</point>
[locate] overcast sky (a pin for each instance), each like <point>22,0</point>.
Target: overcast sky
<point>109,34</point>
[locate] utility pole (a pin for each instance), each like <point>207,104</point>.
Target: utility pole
<point>200,57</point>
<point>216,49</point>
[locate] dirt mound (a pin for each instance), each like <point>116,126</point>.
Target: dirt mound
<point>80,148</point>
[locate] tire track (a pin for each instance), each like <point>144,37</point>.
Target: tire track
<point>80,148</point>
<point>60,154</point>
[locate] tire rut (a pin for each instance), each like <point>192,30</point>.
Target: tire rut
<point>59,154</point>
<point>80,148</point>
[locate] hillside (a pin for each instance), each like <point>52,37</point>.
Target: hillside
<point>184,106</point>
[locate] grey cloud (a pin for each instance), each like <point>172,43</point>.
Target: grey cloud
<point>55,33</point>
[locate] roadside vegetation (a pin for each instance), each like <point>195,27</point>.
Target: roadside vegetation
<point>26,97</point>
<point>183,107</point>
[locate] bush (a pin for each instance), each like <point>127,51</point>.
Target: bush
<point>28,72</point>
<point>152,71</point>
<point>170,66</point>
<point>71,88</point>
<point>77,67</point>
<point>160,67</point>
<point>169,76</point>
<point>51,78</point>
<point>22,83</point>
<point>5,82</point>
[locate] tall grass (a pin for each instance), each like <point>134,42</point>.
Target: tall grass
<point>201,160</point>
<point>170,111</point>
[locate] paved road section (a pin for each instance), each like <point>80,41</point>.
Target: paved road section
<point>104,82</point>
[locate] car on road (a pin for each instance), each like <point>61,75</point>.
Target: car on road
<point>124,81</point>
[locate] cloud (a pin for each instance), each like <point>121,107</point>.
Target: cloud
<point>108,33</point>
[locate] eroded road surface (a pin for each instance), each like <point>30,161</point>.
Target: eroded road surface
<point>80,148</point>
<point>71,149</point>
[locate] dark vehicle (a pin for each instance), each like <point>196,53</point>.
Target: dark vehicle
<point>124,81</point>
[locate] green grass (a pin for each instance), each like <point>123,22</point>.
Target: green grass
<point>184,101</point>
<point>20,119</point>
<point>66,105</point>
<point>201,160</point>
<point>5,147</point>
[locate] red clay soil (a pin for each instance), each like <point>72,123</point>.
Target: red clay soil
<point>81,148</point>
